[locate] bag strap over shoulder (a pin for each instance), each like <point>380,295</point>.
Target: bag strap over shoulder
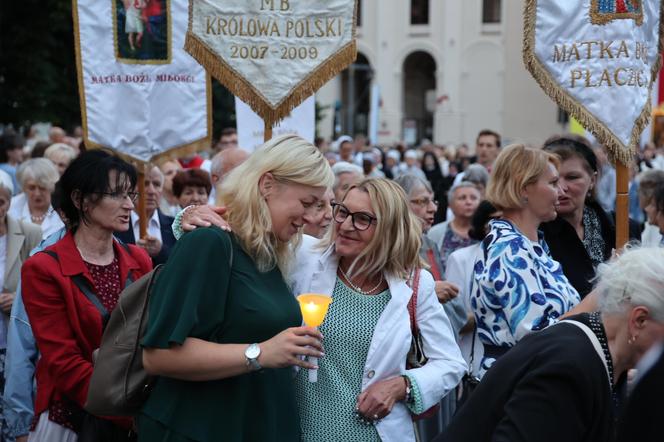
<point>412,304</point>
<point>84,286</point>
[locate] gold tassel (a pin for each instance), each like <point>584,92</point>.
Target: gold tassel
<point>617,150</point>
<point>243,89</point>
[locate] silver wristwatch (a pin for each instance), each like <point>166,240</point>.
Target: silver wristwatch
<point>252,353</point>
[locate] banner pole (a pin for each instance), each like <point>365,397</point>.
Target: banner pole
<point>267,131</point>
<point>622,205</point>
<point>142,217</point>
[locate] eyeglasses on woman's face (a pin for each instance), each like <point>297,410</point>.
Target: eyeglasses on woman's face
<point>360,220</point>
<point>424,202</point>
<point>120,196</point>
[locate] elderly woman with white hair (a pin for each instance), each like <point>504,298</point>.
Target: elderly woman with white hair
<point>61,155</point>
<point>563,383</point>
<point>345,175</point>
<point>17,238</point>
<point>37,178</point>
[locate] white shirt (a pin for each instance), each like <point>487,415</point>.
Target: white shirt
<point>314,271</point>
<point>154,228</point>
<point>19,210</point>
<point>650,237</point>
<point>459,271</point>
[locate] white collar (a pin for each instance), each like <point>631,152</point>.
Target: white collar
<point>154,220</point>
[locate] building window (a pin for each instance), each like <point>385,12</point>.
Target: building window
<point>491,11</point>
<point>419,12</point>
<point>359,13</point>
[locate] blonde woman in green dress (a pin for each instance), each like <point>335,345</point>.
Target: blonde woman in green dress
<point>224,329</point>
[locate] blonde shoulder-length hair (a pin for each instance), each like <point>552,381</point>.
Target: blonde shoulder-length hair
<point>291,160</point>
<point>516,167</point>
<point>395,246</point>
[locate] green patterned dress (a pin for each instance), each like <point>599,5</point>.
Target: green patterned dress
<point>327,407</point>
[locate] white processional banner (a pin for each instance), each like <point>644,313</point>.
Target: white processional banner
<point>251,130</point>
<point>141,93</point>
<point>598,59</point>
<point>272,54</point>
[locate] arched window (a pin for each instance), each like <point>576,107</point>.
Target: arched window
<point>419,12</point>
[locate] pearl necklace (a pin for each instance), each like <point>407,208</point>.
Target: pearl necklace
<point>40,218</point>
<point>358,289</point>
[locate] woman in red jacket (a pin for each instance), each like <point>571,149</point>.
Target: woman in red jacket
<point>97,195</point>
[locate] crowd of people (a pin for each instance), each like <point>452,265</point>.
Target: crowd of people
<point>477,294</point>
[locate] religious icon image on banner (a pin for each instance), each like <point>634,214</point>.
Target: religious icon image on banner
<point>605,11</point>
<point>142,31</point>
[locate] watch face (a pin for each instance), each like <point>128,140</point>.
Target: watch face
<point>252,352</point>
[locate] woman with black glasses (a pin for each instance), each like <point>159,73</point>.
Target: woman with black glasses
<point>71,287</point>
<point>367,262</point>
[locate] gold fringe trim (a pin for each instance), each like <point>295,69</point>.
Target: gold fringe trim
<point>171,154</point>
<point>243,89</point>
<point>617,150</point>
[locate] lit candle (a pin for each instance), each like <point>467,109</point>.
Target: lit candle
<point>314,308</point>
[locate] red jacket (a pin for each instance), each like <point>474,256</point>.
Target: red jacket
<point>67,327</point>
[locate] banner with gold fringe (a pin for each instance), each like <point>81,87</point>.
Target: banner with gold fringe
<point>598,60</point>
<point>272,54</point>
<point>142,95</point>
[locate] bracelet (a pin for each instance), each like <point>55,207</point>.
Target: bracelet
<point>409,391</point>
<point>176,227</point>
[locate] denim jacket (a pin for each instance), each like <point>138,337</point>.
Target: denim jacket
<point>19,394</point>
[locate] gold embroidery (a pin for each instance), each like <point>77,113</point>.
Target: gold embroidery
<point>601,18</point>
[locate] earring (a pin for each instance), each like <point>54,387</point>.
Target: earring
<point>525,200</point>
<point>631,340</point>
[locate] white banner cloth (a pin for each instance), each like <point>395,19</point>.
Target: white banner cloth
<point>141,93</point>
<point>597,59</point>
<point>250,127</point>
<point>272,54</point>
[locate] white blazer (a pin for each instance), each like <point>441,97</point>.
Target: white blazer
<point>315,271</point>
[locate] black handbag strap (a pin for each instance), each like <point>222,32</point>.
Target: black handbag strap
<point>472,351</point>
<point>84,286</point>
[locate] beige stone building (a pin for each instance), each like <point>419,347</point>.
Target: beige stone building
<point>445,70</point>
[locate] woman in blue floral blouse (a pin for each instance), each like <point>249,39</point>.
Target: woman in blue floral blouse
<point>517,287</point>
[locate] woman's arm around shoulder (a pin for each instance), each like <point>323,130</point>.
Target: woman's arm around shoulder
<point>188,304</point>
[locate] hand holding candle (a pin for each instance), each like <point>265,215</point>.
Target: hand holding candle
<point>314,308</point>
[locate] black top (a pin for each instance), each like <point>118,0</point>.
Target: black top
<point>642,419</point>
<point>552,386</point>
<point>569,251</point>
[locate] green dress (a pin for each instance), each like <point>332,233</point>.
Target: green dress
<point>198,295</point>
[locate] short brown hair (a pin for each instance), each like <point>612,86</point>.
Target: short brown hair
<point>193,178</point>
<point>516,167</point>
<point>648,181</point>
<point>484,132</point>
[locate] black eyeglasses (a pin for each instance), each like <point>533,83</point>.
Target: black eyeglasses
<point>119,196</point>
<point>361,220</point>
